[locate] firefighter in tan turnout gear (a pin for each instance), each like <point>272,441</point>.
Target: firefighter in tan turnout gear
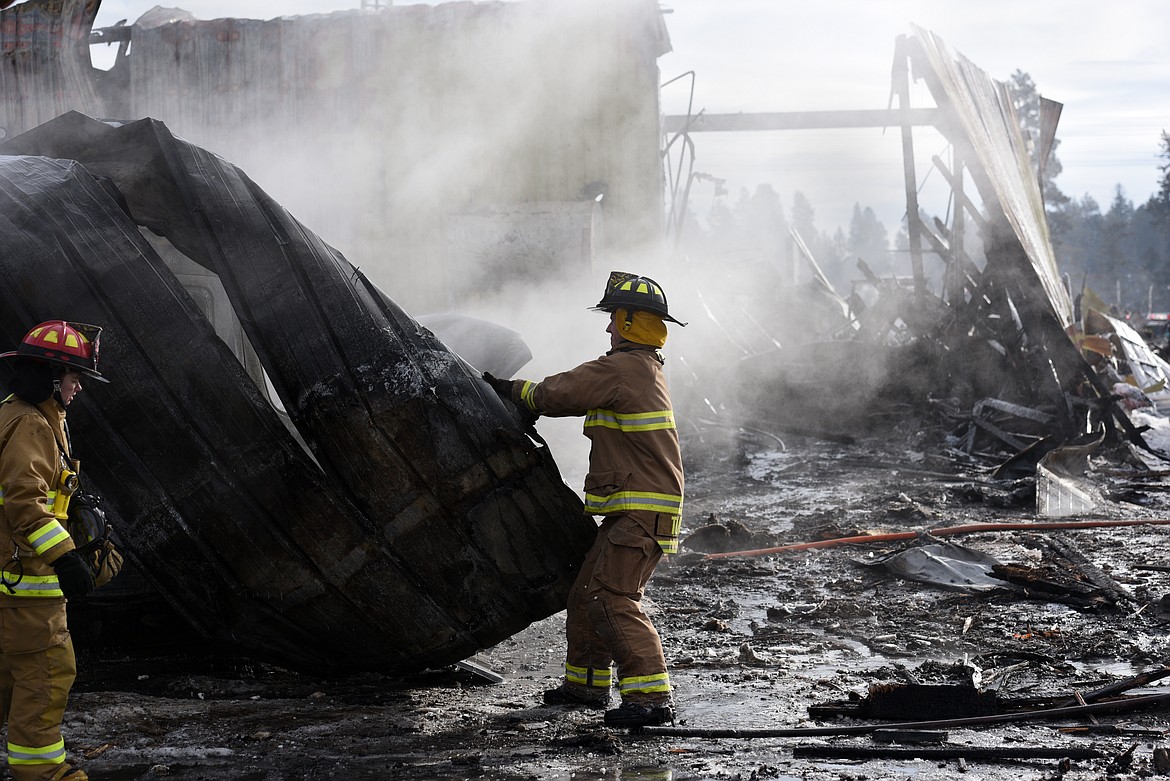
<point>635,483</point>
<point>41,567</point>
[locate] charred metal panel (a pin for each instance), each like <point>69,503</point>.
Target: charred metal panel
<point>44,62</point>
<point>1016,302</point>
<point>432,526</point>
<point>983,109</point>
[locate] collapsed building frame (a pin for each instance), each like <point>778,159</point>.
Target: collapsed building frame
<point>1006,327</point>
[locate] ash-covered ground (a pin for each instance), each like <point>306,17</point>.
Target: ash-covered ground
<point>752,642</point>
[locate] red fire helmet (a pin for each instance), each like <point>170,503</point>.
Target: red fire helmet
<point>73,345</point>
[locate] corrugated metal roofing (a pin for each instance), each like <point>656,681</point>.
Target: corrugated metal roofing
<point>984,108</point>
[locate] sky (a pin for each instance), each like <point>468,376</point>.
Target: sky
<point>1108,63</point>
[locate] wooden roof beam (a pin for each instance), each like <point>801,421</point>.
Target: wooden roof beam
<point>800,120</point>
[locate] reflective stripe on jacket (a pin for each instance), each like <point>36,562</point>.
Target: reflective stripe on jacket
<point>30,469</point>
<point>635,466</point>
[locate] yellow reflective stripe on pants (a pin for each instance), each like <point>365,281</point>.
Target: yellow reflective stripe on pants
<point>29,755</point>
<point>667,535</point>
<point>645,684</point>
<point>600,678</point>
<point>668,545</point>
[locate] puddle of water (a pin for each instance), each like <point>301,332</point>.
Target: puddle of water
<point>1118,669</point>
<point>624,774</point>
<point>648,773</point>
<point>765,464</point>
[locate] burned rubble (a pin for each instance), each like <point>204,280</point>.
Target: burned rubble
<point>925,528</point>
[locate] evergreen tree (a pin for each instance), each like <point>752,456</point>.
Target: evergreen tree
<point>868,240</point>
<point>1151,249</point>
<point>1119,255</point>
<point>803,216</point>
<point>721,224</point>
<point>761,219</point>
<point>1076,234</point>
<point>1152,233</point>
<point>824,250</point>
<point>1116,229</point>
<point>1159,203</point>
<point>1026,100</point>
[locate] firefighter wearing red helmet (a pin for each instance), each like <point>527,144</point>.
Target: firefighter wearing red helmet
<point>41,566</point>
<point>635,483</point>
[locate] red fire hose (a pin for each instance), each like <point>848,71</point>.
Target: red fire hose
<point>949,530</point>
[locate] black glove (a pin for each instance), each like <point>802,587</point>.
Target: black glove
<point>503,388</point>
<point>74,574</point>
<point>527,416</point>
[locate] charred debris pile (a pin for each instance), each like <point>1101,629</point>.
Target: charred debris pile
<point>365,502</point>
<point>982,342</point>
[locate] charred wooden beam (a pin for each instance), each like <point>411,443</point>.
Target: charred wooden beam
<point>1089,571</point>
<point>959,259</point>
<point>798,120</point>
<point>902,86</point>
<point>1113,729</point>
<point>965,268</point>
<point>909,736</point>
<point>1015,410</point>
<point>948,752</point>
<point>956,182</point>
<point>116,34</point>
<point>1112,706</point>
<point>1006,437</point>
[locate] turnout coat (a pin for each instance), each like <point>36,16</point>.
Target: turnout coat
<point>635,466</point>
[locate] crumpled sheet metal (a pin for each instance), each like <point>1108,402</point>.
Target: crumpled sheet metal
<point>944,564</point>
<point>983,107</point>
<point>1147,370</point>
<point>424,526</point>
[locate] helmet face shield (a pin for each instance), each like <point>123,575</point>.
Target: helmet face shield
<point>71,346</point>
<point>633,292</point>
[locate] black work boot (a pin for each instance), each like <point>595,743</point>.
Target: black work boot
<point>639,714</point>
<point>579,697</point>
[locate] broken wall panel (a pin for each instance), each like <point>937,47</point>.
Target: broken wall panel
<point>1018,303</point>
<point>1133,361</point>
<point>404,116</point>
<point>44,62</point>
<point>987,118</point>
<point>984,110</point>
<point>436,507</point>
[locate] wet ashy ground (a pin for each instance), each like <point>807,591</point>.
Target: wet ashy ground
<point>753,643</point>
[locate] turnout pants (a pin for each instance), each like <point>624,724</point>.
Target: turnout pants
<point>37,668</point>
<point>605,623</point>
